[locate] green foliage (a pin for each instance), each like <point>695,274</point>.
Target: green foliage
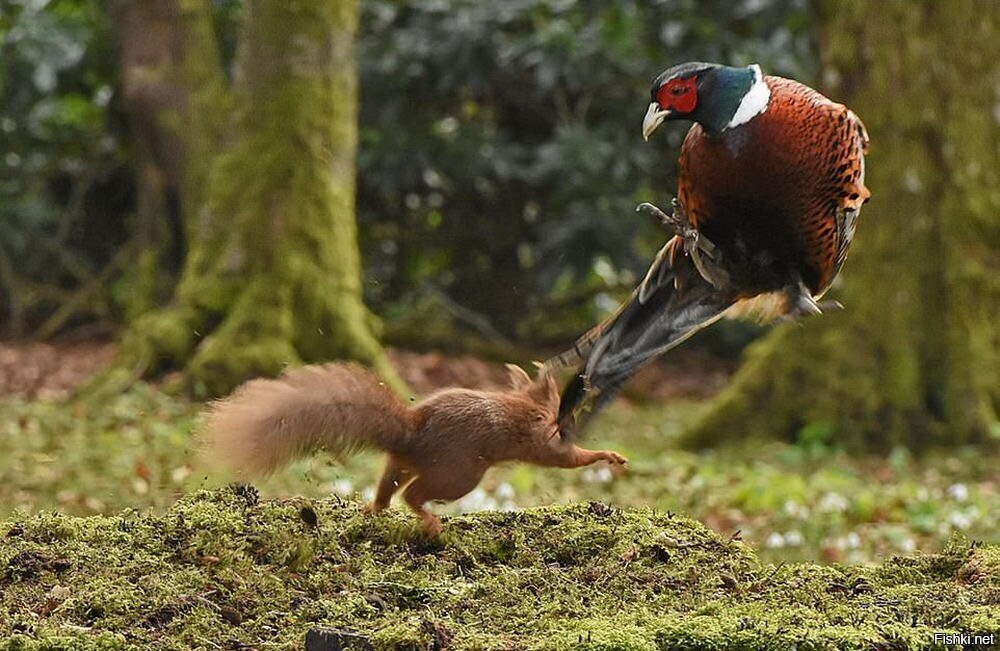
<point>64,189</point>
<point>792,502</point>
<point>500,156</point>
<point>225,568</point>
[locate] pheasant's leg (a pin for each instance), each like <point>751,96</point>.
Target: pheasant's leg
<point>393,478</point>
<point>705,255</point>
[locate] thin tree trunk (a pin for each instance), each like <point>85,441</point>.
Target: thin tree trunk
<point>913,359</point>
<point>169,64</point>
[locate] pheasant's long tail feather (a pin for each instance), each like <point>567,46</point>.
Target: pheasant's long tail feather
<point>658,316</point>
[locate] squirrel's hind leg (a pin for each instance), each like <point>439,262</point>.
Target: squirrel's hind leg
<point>394,477</point>
<point>446,485</point>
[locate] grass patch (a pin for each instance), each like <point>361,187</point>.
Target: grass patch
<point>224,569</point>
<point>791,502</point>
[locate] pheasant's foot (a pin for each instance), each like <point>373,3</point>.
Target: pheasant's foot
<point>830,305</point>
<point>802,304</point>
<point>705,255</point>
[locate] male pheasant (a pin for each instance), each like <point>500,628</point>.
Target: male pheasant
<point>770,185</point>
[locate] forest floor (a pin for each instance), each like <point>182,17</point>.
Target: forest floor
<point>805,502</point>
<point>227,570</point>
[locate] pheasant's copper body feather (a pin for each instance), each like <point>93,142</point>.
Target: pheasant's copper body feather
<point>771,182</point>
<point>781,193</point>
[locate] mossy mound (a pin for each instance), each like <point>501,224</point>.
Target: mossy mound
<point>225,570</point>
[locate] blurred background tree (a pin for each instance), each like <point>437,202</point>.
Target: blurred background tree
<point>272,272</point>
<point>913,359</point>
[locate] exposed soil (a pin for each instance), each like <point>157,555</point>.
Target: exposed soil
<point>54,370</point>
<point>41,370</point>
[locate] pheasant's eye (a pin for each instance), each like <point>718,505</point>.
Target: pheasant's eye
<point>679,90</point>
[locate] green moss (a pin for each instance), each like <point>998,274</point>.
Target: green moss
<point>221,568</point>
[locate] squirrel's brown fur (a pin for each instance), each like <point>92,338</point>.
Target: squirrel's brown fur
<point>439,448</point>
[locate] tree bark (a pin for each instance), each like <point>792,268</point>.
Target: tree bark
<point>913,359</point>
<point>170,76</point>
<point>272,275</point>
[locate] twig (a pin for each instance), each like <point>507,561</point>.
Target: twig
<point>80,299</point>
<point>479,322</point>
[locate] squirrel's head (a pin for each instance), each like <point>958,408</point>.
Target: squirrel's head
<point>542,394</point>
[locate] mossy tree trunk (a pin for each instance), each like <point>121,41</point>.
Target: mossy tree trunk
<point>272,274</point>
<point>913,359</point>
<point>173,91</point>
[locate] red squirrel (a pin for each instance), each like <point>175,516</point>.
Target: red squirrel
<point>438,449</point>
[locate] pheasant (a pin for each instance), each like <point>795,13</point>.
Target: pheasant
<point>770,185</point>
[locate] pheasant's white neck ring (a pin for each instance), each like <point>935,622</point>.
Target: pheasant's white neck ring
<point>754,102</point>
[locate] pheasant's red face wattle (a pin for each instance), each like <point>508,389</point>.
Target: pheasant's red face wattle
<point>680,95</point>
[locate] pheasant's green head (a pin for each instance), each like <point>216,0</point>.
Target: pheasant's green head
<point>715,96</point>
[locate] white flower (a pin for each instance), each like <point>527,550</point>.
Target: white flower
<point>600,475</point>
<point>796,510</point>
<point>342,487</point>
<point>477,500</point>
<point>794,538</point>
<point>504,492</point>
<point>960,520</point>
<point>368,494</point>
<point>958,492</point>
<point>907,545</point>
<point>833,503</point>
<point>775,540</point>
<point>851,541</point>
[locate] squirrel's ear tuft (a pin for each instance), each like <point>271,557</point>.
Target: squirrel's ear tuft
<point>519,379</point>
<point>544,389</point>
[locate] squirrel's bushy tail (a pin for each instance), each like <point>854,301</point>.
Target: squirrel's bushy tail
<point>267,423</point>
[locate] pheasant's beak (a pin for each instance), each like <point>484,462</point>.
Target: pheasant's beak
<point>654,117</point>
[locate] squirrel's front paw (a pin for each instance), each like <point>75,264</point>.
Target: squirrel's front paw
<point>613,457</point>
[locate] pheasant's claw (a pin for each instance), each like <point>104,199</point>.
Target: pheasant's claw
<point>702,250</point>
<point>709,269</point>
<point>677,222</point>
<point>802,304</point>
